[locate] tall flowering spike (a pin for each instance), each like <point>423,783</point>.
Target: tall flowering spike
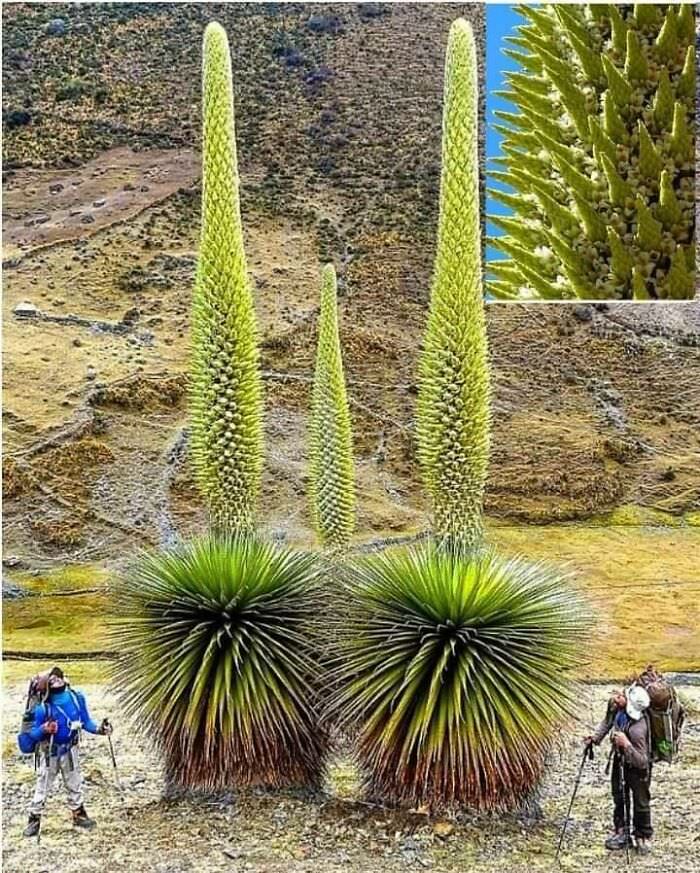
<point>226,388</point>
<point>453,416</point>
<point>616,84</point>
<point>332,469</point>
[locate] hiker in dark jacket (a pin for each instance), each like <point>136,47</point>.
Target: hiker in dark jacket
<point>632,759</point>
<point>57,725</point>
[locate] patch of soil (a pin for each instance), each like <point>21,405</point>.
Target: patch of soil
<point>44,207</point>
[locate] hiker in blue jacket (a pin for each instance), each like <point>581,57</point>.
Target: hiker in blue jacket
<point>58,722</point>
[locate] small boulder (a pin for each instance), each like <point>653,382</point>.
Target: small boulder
<point>372,10</point>
<point>99,202</point>
<point>320,75</point>
<point>324,23</point>
<point>87,218</point>
<point>55,188</point>
<point>582,312</point>
<point>294,58</point>
<point>56,27</point>
<point>26,310</point>
<point>17,118</point>
<point>36,219</point>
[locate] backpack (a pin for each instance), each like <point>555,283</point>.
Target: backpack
<point>36,693</point>
<point>665,715</point>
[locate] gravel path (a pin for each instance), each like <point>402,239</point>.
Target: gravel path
<point>272,832</point>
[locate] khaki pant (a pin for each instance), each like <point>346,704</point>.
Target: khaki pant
<point>68,765</point>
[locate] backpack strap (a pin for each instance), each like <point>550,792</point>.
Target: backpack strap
<point>75,733</point>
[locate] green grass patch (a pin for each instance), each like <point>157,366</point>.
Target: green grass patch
<point>56,624</point>
<point>642,581</point>
<point>78,672</point>
<point>70,578</point>
<point>632,515</point>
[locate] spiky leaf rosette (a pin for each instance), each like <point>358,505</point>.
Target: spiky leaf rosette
<point>453,415</point>
<point>226,388</point>
<point>332,472</point>
<point>455,672</point>
<point>599,155</point>
<point>218,662</point>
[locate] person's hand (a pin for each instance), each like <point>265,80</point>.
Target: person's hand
<point>621,741</point>
<point>50,727</point>
<point>106,728</point>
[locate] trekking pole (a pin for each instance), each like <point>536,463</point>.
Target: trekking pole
<point>105,723</point>
<point>29,695</point>
<point>626,804</point>
<point>587,755</point>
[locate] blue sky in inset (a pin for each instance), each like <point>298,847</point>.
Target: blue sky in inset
<point>501,21</point>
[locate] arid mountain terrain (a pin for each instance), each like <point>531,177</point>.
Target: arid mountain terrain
<point>339,127</point>
<point>596,407</point>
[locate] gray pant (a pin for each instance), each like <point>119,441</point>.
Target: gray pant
<point>69,767</point>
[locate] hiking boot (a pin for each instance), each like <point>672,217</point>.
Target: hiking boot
<point>33,825</point>
<point>81,819</point>
<point>644,845</point>
<point>620,840</point>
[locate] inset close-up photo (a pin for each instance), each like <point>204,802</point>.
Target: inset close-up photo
<point>318,555</point>
<point>591,151</point>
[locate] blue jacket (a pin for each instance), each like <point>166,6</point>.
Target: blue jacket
<point>67,705</point>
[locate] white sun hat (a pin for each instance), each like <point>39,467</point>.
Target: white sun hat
<point>637,701</point>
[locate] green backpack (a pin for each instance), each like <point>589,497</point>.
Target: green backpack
<point>665,715</point>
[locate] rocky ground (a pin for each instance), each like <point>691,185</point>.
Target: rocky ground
<point>334,831</point>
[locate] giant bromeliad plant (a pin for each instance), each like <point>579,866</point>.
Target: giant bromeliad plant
<point>332,474</point>
<point>453,663</point>
<point>219,662</point>
<point>599,155</point>
<point>456,673</point>
<point>217,643</point>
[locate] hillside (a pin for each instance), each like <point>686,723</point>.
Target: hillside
<point>594,409</point>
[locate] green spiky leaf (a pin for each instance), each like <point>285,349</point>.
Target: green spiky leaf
<point>607,115</point>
